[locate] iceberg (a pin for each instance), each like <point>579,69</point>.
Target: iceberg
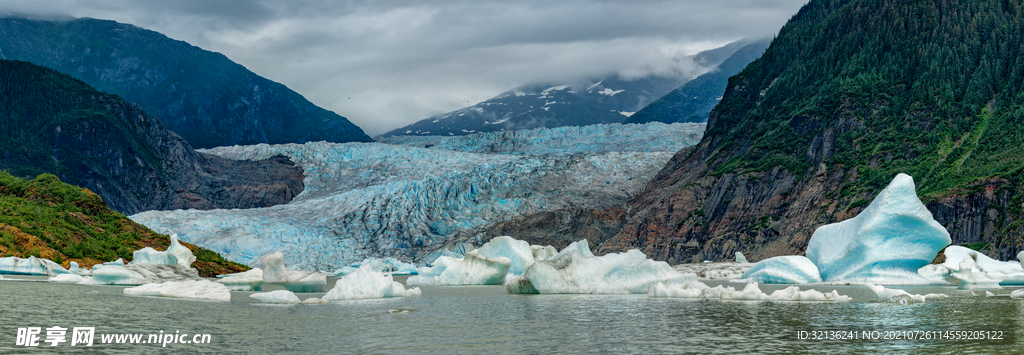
<point>176,254</point>
<point>30,266</point>
<point>474,269</point>
<point>191,289</point>
<point>366,283</point>
<point>274,272</point>
<point>740,258</point>
<point>573,272</point>
<point>74,269</point>
<point>714,271</point>
<point>1010,272</point>
<point>1017,293</point>
<point>750,292</point>
<point>935,273</point>
<point>251,280</point>
<point>900,296</point>
<point>66,278</point>
<point>974,280</point>
<point>138,274</point>
<point>789,269</point>
<point>279,296</point>
<point>427,275</point>
<point>886,243</point>
<point>519,252</point>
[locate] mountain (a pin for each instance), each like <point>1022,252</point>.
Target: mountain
<point>53,123</point>
<point>611,99</point>
<point>848,95</point>
<point>405,201</point>
<point>694,101</point>
<point>203,96</point>
<point>50,219</point>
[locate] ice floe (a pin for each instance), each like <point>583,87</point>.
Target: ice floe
<point>66,278</point>
<point>191,289</point>
<point>900,296</point>
<point>887,242</point>
<point>274,272</point>
<point>789,269</point>
<point>30,266</point>
<point>750,292</point>
<point>279,296</point>
<point>251,280</point>
<point>176,254</point>
<point>573,272</point>
<point>366,283</point>
<point>138,274</point>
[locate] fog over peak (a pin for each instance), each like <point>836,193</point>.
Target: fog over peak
<point>384,64</point>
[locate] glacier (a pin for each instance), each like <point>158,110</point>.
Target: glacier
<point>886,243</point>
<point>366,200</point>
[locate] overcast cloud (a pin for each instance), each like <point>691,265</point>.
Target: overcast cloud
<point>384,64</point>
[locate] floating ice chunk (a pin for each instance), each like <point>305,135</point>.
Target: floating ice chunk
<point>176,254</point>
<point>192,289</point>
<point>793,294</point>
<point>936,273</point>
<point>139,274</point>
<point>426,275</point>
<point>66,278</point>
<point>518,252</point>
<point>474,269</point>
<point>74,269</point>
<point>387,265</point>
<point>118,262</point>
<point>887,242</point>
<point>1017,293</point>
<point>251,280</point>
<point>30,266</point>
<point>789,269</point>
<point>366,283</point>
<point>1010,272</point>
<point>750,292</point>
<point>279,296</point>
<point>574,272</point>
<point>274,272</point>
<point>714,271</point>
<point>900,296</point>
<point>740,258</point>
<point>971,279</point>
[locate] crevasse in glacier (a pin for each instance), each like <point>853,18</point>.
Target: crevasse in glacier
<point>364,200</point>
<point>886,243</point>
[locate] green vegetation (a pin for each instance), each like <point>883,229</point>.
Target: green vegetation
<point>934,89</point>
<point>50,219</point>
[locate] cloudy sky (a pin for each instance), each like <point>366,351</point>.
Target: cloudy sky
<point>384,64</point>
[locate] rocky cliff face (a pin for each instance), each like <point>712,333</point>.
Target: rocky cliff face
<point>847,96</point>
<point>203,96</point>
<point>59,125</point>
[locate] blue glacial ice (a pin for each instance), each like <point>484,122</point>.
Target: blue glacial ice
<point>365,200</point>
<point>176,254</point>
<point>653,137</point>
<point>573,272</point>
<point>788,269</point>
<point>367,283</point>
<point>494,263</point>
<point>30,266</point>
<point>886,243</point>
<point>251,280</point>
<point>191,289</point>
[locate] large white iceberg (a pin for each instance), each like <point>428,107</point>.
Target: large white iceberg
<point>789,269</point>
<point>474,269</point>
<point>1009,272</point>
<point>176,254</point>
<point>366,283</point>
<point>192,289</point>
<point>30,266</point>
<point>251,280</point>
<point>573,272</point>
<point>274,272</point>
<point>519,252</point>
<point>886,243</point>
<point>66,278</point>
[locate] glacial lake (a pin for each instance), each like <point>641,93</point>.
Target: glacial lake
<point>487,320</point>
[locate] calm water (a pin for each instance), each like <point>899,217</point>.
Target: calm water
<point>486,320</point>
